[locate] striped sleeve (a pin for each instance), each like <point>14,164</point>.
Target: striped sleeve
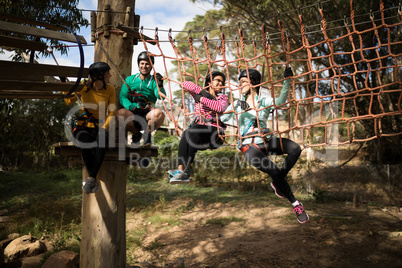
<point>191,87</point>
<point>219,105</point>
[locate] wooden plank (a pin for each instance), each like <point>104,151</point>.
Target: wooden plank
<point>7,85</point>
<point>12,70</point>
<point>134,33</point>
<point>31,95</point>
<point>112,154</point>
<point>45,33</point>
<point>21,43</point>
<point>31,22</point>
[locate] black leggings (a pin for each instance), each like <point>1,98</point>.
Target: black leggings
<point>93,150</point>
<point>258,157</point>
<point>197,138</point>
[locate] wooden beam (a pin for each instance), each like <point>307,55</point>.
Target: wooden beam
<point>68,149</point>
<point>31,22</point>
<point>29,30</point>
<point>11,70</point>
<point>133,33</point>
<point>8,41</point>
<point>31,95</point>
<point>35,86</point>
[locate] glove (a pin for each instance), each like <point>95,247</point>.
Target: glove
<point>244,105</point>
<point>206,94</point>
<point>288,72</point>
<point>197,97</point>
<point>159,80</point>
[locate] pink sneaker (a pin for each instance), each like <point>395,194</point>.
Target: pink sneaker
<point>301,215</point>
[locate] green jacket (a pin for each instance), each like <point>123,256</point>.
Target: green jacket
<point>249,117</point>
<point>146,87</point>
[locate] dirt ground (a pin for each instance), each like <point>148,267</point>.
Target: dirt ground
<point>337,235</point>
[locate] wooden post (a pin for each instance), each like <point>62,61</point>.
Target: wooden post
<point>103,241</point>
<point>118,48</point>
<point>103,235</point>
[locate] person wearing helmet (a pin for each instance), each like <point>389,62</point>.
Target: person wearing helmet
<point>206,130</point>
<point>98,103</point>
<point>138,96</point>
<point>256,147</point>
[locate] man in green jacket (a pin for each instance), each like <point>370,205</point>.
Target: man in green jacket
<point>138,96</point>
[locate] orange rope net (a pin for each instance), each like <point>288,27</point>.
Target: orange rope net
<point>333,96</point>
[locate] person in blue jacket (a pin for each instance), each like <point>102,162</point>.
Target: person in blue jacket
<point>255,145</point>
<point>138,96</point>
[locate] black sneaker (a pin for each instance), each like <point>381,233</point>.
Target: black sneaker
<point>277,192</point>
<point>90,185</point>
<point>301,215</point>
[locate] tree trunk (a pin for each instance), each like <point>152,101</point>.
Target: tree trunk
<point>103,238</point>
<point>119,50</point>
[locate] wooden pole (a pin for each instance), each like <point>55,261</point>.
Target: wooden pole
<point>103,238</point>
<point>118,48</point>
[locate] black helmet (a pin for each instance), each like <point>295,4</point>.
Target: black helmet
<point>144,56</point>
<point>255,76</point>
<point>214,73</point>
<point>97,69</point>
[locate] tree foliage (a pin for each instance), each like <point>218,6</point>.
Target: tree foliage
<point>30,127</point>
<point>56,12</point>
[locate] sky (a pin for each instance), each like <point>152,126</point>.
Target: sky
<point>154,13</point>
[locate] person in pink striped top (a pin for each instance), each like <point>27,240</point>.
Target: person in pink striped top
<point>206,128</point>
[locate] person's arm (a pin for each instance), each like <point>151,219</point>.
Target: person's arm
<point>125,97</point>
<point>191,87</point>
<point>284,92</point>
<point>111,107</point>
<point>161,93</point>
<point>219,105</point>
<point>227,116</point>
<point>72,99</point>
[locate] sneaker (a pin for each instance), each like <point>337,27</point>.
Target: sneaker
<point>179,177</point>
<point>90,185</point>
<point>148,141</point>
<point>277,192</point>
<point>136,137</point>
<point>171,173</point>
<point>301,215</point>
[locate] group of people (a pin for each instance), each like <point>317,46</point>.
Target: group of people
<point>138,96</point>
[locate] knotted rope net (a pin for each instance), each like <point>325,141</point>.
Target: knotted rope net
<point>336,96</point>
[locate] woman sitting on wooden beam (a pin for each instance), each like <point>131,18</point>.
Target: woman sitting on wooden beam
<point>98,103</point>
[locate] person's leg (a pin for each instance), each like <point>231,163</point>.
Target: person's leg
<point>99,154</point>
<point>261,161</point>
<point>85,138</point>
<point>280,184</point>
<point>155,119</point>
<point>125,119</point>
<point>291,148</point>
<point>193,139</point>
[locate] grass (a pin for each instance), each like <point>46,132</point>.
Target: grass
<point>51,202</point>
<point>41,201</point>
